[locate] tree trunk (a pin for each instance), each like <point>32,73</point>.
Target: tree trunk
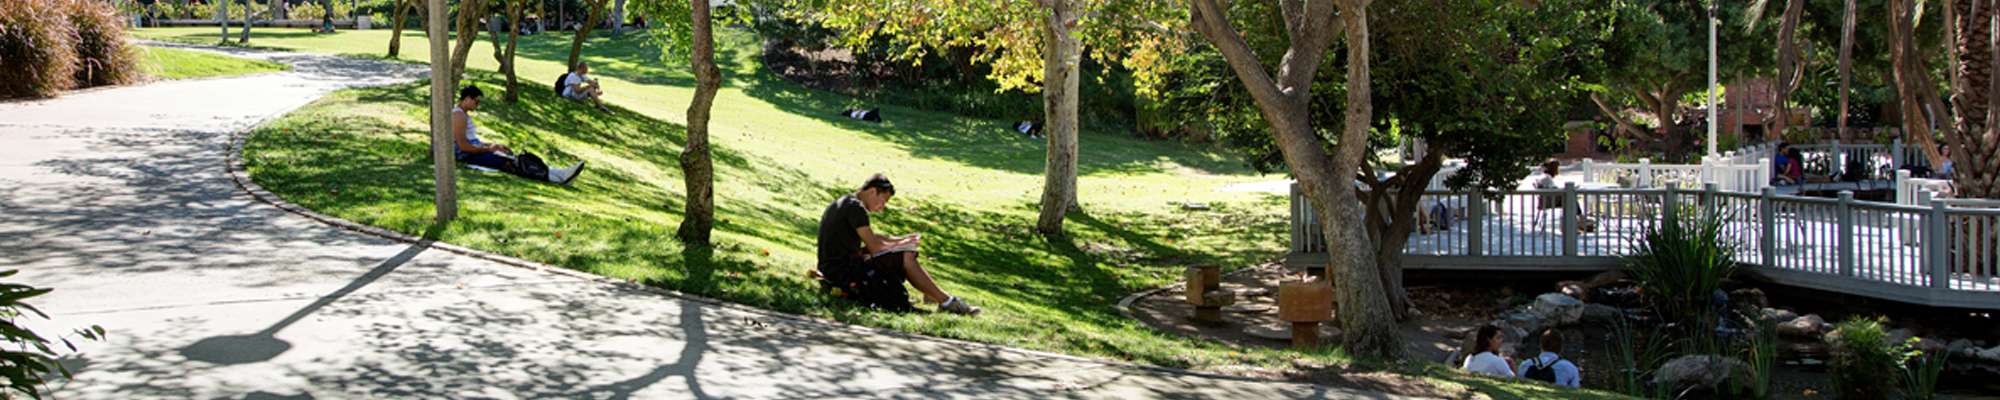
<point>1790,70</point>
<point>514,11</point>
<point>583,32</point>
<point>1327,180</point>
<point>442,96</point>
<point>222,17</point>
<point>469,12</point>
<point>1391,218</point>
<point>249,15</point>
<point>1977,157</point>
<point>1060,56</point>
<point>1910,80</point>
<point>1631,130</point>
<point>1846,66</point>
<point>618,18</point>
<point>696,167</point>
<point>403,9</point>
<point>1973,46</point>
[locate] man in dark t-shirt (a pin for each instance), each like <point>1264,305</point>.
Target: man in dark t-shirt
<point>849,248</point>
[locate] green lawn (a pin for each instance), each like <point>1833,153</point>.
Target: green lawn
<point>781,155</point>
<point>169,63</point>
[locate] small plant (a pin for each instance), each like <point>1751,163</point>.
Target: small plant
<point>1920,371</point>
<point>1763,355</point>
<point>1862,360</point>
<point>1679,262</point>
<point>1638,352</point>
<point>26,366</point>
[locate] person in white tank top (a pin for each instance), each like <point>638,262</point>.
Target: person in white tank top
<point>469,149</point>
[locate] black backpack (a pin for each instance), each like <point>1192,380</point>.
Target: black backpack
<point>1542,372</point>
<point>529,166</point>
<point>882,291</point>
<point>559,83</point>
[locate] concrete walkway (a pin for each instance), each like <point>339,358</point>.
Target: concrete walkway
<point>120,200</point>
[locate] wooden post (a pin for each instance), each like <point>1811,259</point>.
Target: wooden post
<point>1305,304</point>
<point>1768,215</point>
<point>1937,246</point>
<point>1475,231</point>
<point>1204,285</point>
<point>442,98</point>
<point>1645,173</point>
<point>1569,219</point>
<point>1844,213</point>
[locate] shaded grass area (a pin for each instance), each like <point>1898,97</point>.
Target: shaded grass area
<point>782,154</point>
<point>167,63</point>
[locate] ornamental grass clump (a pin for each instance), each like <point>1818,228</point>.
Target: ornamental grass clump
<point>37,53</point>
<point>1681,261</point>
<point>1864,363</point>
<point>101,55</point>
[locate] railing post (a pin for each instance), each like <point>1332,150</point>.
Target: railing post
<point>1768,215</point>
<point>1670,205</point>
<point>1764,170</point>
<point>1708,194</point>
<point>1569,219</point>
<point>1896,154</point>
<point>1904,195</point>
<point>1937,246</point>
<point>1838,161</point>
<point>1645,172</point>
<point>1298,220</point>
<point>1475,228</point>
<point>1589,175</point>
<point>1844,212</point>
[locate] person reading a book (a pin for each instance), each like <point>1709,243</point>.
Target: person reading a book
<point>870,265</point>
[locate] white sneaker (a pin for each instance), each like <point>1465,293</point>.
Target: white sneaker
<point>563,176</point>
<point>958,306</point>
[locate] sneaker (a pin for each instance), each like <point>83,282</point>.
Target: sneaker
<point>565,175</point>
<point>958,306</point>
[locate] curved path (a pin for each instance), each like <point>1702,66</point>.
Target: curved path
<point>120,200</point>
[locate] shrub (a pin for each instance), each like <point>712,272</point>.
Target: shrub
<point>37,55</point>
<point>101,55</point>
<point>27,365</point>
<point>1920,371</point>
<point>1679,262</point>
<point>1864,365</point>
<point>313,10</point>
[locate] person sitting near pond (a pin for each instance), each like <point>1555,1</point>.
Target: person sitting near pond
<point>1781,165</point>
<point>577,87</point>
<point>1944,170</point>
<point>1550,366</point>
<point>470,150</point>
<point>1485,358</point>
<point>871,267</point>
<point>1797,169</point>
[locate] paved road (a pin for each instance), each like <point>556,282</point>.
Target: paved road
<point>120,200</point>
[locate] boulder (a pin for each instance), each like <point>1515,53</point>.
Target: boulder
<point>1557,309</point>
<point>1808,325</point>
<point>1574,289</point>
<point>1928,345</point>
<point>1958,348</point>
<point>1778,315</point>
<point>1897,337</point>
<point>1752,297</point>
<point>1526,321</point>
<point>1989,355</point>
<point>1606,278</point>
<point>1703,372</point>
<point>1601,314</point>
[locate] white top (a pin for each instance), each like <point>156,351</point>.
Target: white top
<point>1489,364</point>
<point>471,129</point>
<point>1566,372</point>
<point>571,82</point>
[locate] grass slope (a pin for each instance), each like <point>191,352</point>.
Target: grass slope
<point>781,156</point>
<point>167,63</point>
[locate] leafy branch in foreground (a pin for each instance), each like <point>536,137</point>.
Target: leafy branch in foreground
<point>26,366</point>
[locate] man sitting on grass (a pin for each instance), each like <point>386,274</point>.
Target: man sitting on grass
<point>577,87</point>
<point>872,267</point>
<point>470,150</point>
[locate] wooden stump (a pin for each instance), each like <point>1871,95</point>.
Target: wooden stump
<point>1305,304</point>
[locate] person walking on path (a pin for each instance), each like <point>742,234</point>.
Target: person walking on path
<point>853,256</point>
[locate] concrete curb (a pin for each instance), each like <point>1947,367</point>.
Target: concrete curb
<point>234,165</point>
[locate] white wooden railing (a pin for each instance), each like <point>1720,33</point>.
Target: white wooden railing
<point>1942,254</point>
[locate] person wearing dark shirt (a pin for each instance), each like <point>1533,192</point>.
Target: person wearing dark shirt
<point>849,247</point>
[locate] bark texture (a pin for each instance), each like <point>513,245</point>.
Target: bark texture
<point>583,32</point>
<point>1846,65</point>
<point>696,167</point>
<point>469,12</point>
<point>396,31</point>
<point>1061,54</point>
<point>442,96</point>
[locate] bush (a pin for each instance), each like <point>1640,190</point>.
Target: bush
<point>31,360</point>
<point>101,55</point>
<point>37,55</point>
<point>1680,262</point>
<point>1864,364</point>
<point>312,10</point>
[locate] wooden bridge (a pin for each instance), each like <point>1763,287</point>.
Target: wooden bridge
<point>1945,253</point>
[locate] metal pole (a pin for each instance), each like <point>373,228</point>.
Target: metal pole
<point>1712,121</point>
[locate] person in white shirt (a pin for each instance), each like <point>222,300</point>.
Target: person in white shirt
<point>577,86</point>
<point>1550,366</point>
<point>1485,358</point>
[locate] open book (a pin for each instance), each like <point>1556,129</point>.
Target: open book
<point>907,247</point>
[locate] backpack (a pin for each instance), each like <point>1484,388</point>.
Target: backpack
<point>529,166</point>
<point>559,83</point>
<point>874,289</point>
<point>1542,372</point>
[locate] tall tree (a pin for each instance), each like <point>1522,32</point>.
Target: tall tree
<point>1846,66</point>
<point>618,17</point>
<point>1913,83</point>
<point>1661,54</point>
<point>1976,144</point>
<point>469,14</point>
<point>249,16</point>
<point>222,16</point>
<point>403,10</point>
<point>583,31</point>
<point>1790,72</point>
<point>1031,44</point>
<point>1325,169</point>
<point>687,29</point>
<point>443,92</point>
<point>514,9</point>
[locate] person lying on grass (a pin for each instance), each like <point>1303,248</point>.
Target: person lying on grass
<point>471,150</point>
<point>872,267</point>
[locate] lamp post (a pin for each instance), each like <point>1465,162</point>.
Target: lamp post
<point>1712,121</point>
